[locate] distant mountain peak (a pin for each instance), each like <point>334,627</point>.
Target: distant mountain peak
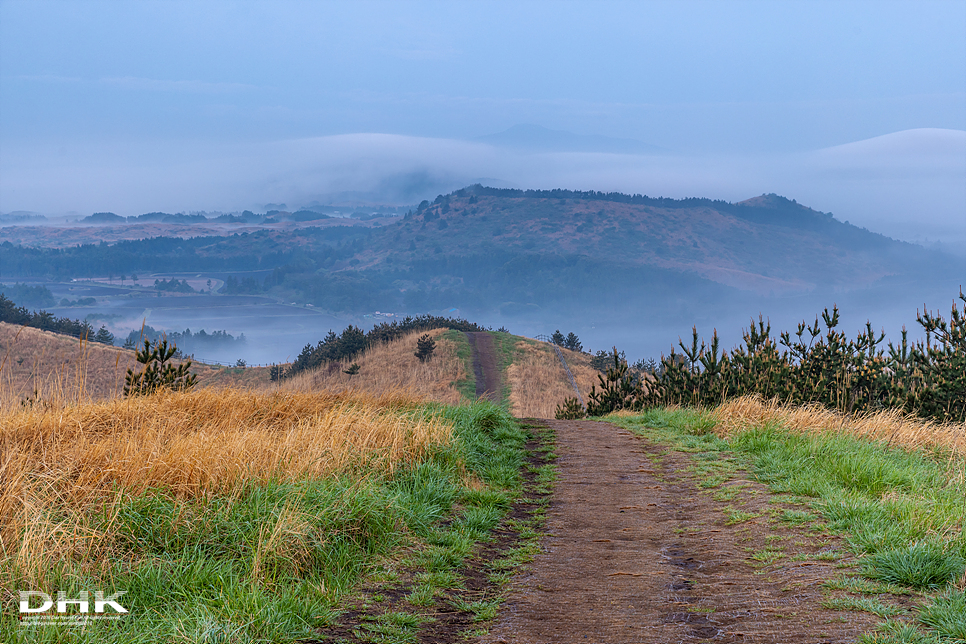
<point>770,200</point>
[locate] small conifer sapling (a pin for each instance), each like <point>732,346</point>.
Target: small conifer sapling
<point>425,346</point>
<point>157,373</point>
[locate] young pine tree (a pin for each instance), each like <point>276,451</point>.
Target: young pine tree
<point>425,346</point>
<point>157,373</point>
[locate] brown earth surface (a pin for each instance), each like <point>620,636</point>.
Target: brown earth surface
<point>486,366</point>
<point>637,552</point>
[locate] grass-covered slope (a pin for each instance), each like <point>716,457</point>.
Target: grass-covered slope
<point>393,367</point>
<point>46,367</point>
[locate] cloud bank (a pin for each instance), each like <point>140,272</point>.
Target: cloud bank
<point>909,185</point>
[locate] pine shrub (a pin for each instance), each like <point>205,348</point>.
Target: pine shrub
<point>571,409</point>
<point>425,346</point>
<point>816,364</point>
<point>157,373</point>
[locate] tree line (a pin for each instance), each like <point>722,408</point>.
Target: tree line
<point>45,321</point>
<point>345,346</point>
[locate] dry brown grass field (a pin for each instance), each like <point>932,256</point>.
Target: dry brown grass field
<point>236,377</point>
<point>61,368</point>
<point>58,366</point>
<point>892,426</point>
<point>79,457</point>
<point>392,367</point>
<point>538,382</point>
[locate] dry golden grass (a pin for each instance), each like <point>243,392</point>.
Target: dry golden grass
<point>892,427</point>
<point>392,367</point>
<point>538,382</point>
<point>189,444</point>
<point>58,367</point>
<point>62,369</point>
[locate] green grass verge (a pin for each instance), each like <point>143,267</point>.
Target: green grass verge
<point>467,385</point>
<point>506,347</point>
<point>272,563</point>
<point>901,512</point>
<point>430,583</point>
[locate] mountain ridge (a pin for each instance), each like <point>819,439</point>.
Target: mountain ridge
<point>512,250</point>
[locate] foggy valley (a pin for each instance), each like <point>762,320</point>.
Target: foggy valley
<point>618,270</point>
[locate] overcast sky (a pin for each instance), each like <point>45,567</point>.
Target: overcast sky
<point>138,106</point>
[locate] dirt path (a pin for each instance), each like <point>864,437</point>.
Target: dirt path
<point>637,552</point>
<point>486,366</point>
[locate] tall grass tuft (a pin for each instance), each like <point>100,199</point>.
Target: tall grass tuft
<point>947,615</point>
<point>922,565</point>
<point>892,427</point>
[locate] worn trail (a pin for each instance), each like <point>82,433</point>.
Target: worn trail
<point>486,366</point>
<point>637,553</point>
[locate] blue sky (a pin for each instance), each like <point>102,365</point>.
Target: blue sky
<point>132,106</point>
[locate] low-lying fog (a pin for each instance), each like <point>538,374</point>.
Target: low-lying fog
<point>276,332</point>
<point>909,185</point>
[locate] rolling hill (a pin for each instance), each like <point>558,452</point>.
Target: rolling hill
<point>44,366</point>
<point>495,253</point>
<point>767,244</point>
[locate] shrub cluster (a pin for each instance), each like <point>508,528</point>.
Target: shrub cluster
<point>173,285</point>
<point>818,364</point>
<point>353,340</point>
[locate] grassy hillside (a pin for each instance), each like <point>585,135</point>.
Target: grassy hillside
<point>53,367</point>
<point>61,368</point>
<point>393,368</point>
<point>58,366</point>
<point>534,380</point>
<point>538,382</point>
<point>764,244</point>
